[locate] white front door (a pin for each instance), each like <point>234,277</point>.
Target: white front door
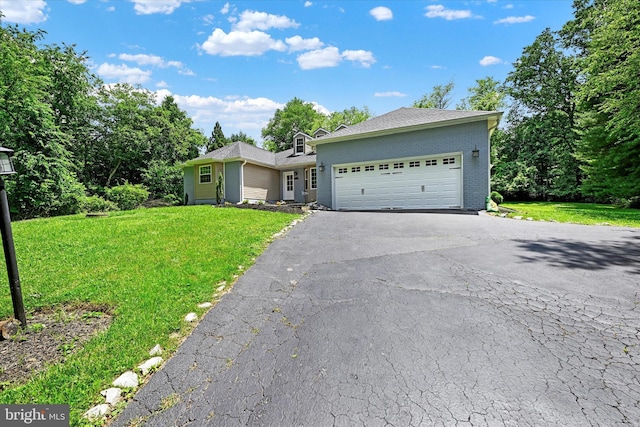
<point>287,186</point>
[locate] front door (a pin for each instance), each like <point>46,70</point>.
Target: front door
<point>287,187</point>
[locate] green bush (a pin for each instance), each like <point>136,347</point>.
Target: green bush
<point>163,180</point>
<point>128,196</point>
<point>98,204</point>
<point>497,197</point>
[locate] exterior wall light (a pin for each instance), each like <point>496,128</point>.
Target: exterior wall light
<point>6,168</point>
<point>321,166</point>
<point>475,152</point>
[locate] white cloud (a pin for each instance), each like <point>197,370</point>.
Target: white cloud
<point>24,12</point>
<point>364,57</point>
<point>320,108</point>
<point>111,9</point>
<point>308,4</point>
<point>320,58</point>
<point>251,20</point>
<point>234,113</point>
<point>297,43</point>
<point>381,13</point>
<point>225,9</point>
<point>162,84</point>
<point>77,1</point>
<point>515,19</point>
<point>240,43</point>
<point>208,19</point>
<point>490,60</point>
<point>123,73</point>
<point>147,7</point>
<point>438,67</point>
<point>508,6</point>
<point>143,59</point>
<point>391,94</point>
<point>439,11</point>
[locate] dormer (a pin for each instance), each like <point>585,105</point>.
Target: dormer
<point>300,146</point>
<point>340,127</point>
<point>320,133</point>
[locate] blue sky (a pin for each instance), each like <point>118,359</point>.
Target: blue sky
<point>237,62</point>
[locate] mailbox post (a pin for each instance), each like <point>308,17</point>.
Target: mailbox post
<point>6,168</point>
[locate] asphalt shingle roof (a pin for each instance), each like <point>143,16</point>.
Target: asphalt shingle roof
<point>405,118</point>
<point>242,150</point>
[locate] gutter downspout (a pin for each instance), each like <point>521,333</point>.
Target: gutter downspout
<point>242,181</point>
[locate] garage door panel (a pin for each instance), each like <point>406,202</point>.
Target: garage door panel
<point>433,183</point>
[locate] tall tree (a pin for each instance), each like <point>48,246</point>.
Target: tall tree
<point>296,116</point>
<point>241,136</point>
<point>439,98</point>
<point>217,139</point>
<point>45,183</point>
<point>537,155</point>
<point>348,117</point>
<point>610,101</point>
<point>486,95</point>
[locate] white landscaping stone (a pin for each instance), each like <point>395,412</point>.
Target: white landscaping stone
<point>156,350</point>
<point>149,364</point>
<point>112,395</point>
<point>205,305</point>
<point>127,380</point>
<point>517,217</point>
<point>219,288</point>
<point>97,412</point>
<point>191,317</point>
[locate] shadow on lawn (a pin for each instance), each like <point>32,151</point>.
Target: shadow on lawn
<point>584,256</point>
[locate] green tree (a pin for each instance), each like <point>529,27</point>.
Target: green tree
<point>296,116</point>
<point>610,99</point>
<point>486,95</point>
<point>536,156</point>
<point>46,183</point>
<point>217,139</point>
<point>439,98</point>
<point>241,136</point>
<point>348,117</point>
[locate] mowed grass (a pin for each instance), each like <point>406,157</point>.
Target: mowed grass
<point>152,267</point>
<point>577,213</point>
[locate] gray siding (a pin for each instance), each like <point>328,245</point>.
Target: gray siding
<point>189,186</point>
<point>232,182</point>
<point>451,139</point>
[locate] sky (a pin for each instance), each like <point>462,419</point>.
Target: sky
<point>236,62</point>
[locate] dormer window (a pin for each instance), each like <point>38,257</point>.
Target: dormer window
<point>299,148</point>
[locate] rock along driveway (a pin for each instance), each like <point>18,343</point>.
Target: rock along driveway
<point>408,319</point>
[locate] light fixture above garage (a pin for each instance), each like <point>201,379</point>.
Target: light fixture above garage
<point>321,166</point>
<point>475,152</point>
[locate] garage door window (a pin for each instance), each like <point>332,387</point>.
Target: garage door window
<point>431,163</point>
<point>449,161</point>
<point>383,167</point>
<point>355,169</point>
<point>414,164</point>
<point>369,168</point>
<point>398,165</point>
<point>342,170</point>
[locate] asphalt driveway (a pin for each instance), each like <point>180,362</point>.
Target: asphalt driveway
<point>410,319</point>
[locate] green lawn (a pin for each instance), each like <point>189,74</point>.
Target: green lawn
<point>578,213</point>
<point>151,266</point>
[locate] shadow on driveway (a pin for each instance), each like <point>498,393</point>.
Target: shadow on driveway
<point>584,255</point>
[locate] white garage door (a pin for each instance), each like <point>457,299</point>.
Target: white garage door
<point>427,183</point>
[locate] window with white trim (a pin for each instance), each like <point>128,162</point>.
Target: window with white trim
<point>313,178</point>
<point>299,146</point>
<point>431,163</point>
<point>342,170</point>
<point>355,169</point>
<point>415,164</point>
<point>383,167</point>
<point>369,168</point>
<point>399,165</point>
<point>204,173</point>
<point>449,161</point>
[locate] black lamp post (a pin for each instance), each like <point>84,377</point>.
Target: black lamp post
<point>6,168</point>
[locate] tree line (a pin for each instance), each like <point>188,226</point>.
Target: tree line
<point>571,129</point>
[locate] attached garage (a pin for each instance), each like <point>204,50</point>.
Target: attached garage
<point>432,182</point>
<point>410,158</point>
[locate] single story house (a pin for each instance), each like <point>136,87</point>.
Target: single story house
<point>410,158</point>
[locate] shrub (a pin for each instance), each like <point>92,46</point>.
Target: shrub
<point>163,179</point>
<point>497,197</point>
<point>98,204</point>
<point>128,196</point>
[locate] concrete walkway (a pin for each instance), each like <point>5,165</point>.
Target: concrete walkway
<point>409,319</point>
